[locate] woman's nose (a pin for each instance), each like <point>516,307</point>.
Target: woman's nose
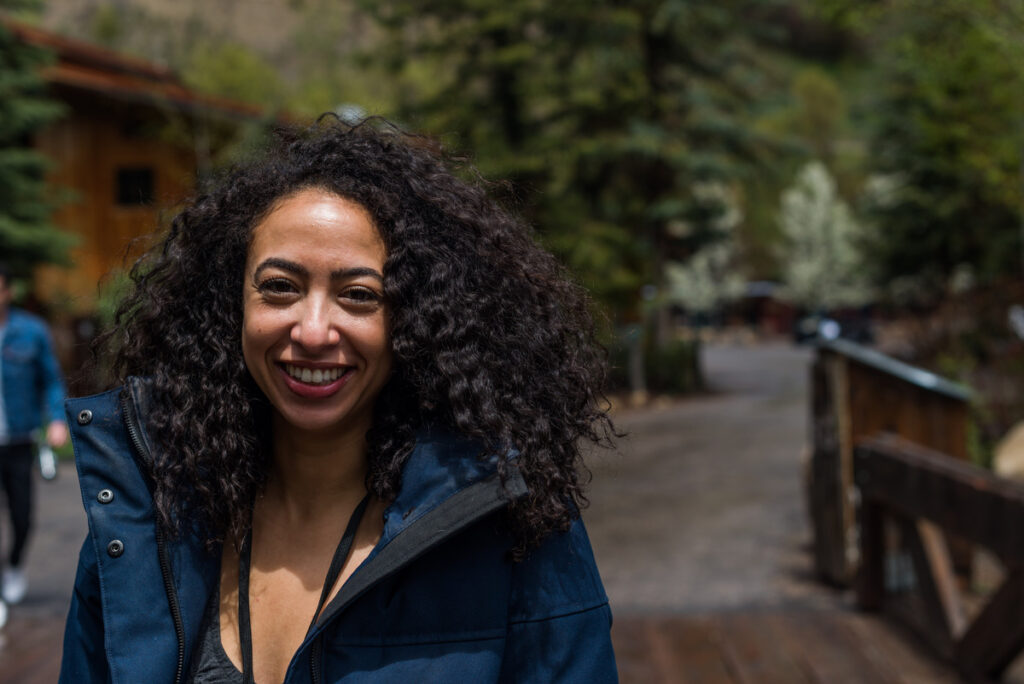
<point>316,328</point>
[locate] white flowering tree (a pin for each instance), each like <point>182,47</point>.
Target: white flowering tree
<point>709,278</point>
<point>823,265</point>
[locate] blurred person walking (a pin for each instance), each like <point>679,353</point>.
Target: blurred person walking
<point>31,387</point>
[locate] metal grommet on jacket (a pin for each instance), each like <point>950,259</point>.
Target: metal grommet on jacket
<point>84,417</point>
<point>115,548</point>
<point>105,496</point>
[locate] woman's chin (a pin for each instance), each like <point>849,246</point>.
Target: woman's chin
<point>306,422</point>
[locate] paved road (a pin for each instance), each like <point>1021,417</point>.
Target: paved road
<point>702,508</point>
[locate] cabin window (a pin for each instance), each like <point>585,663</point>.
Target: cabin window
<point>134,186</point>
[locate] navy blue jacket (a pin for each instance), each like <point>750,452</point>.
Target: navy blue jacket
<point>437,600</point>
<point>32,384</point>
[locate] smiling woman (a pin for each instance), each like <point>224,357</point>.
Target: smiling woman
<point>315,326</point>
<point>345,439</point>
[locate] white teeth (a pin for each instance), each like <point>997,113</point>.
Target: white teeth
<point>309,376</point>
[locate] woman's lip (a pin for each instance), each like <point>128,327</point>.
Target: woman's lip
<point>312,365</point>
<point>308,391</point>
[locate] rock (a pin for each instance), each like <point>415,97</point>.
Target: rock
<point>1009,456</point>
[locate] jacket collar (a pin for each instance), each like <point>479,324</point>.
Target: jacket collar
<point>441,465</point>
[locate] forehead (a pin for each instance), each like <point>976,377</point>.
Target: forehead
<point>316,225</point>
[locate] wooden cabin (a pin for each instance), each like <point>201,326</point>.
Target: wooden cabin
<point>125,153</point>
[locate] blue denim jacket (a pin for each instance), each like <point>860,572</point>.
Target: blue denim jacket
<point>437,600</point>
<point>32,386</point>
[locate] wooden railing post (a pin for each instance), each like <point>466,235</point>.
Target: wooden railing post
<point>870,581</point>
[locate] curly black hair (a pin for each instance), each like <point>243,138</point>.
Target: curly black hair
<point>489,335</point>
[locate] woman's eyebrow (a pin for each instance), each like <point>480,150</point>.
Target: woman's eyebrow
<point>300,270</point>
<point>283,264</point>
<point>355,272</point>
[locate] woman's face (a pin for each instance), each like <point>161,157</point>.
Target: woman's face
<point>315,327</point>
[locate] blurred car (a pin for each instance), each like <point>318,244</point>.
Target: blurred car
<point>855,327</point>
<point>814,327</point>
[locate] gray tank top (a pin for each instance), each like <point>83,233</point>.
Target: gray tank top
<point>210,664</point>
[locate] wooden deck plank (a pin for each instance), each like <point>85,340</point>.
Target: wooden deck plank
<point>673,650</point>
<point>30,650</point>
<point>696,651</point>
<point>753,654</point>
<point>773,646</point>
<point>633,653</point>
<point>827,653</point>
<point>893,645</point>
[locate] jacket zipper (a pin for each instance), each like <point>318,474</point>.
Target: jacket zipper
<point>161,550</point>
<point>314,660</point>
<point>464,512</point>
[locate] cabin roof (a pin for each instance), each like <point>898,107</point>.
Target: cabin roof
<point>90,68</point>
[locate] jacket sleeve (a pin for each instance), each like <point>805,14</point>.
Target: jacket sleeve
<point>50,375</point>
<point>85,660</point>
<point>559,621</point>
<point>569,649</point>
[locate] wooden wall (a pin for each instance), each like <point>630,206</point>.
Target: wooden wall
<point>86,148</point>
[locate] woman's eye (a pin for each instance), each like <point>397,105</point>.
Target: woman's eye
<point>360,295</point>
<point>276,286</point>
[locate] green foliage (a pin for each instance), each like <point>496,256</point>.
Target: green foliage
<point>671,369</point>
<point>107,26</point>
<point>605,119</point>
<point>115,286</point>
<point>709,278</point>
<point>27,237</point>
<point>328,62</point>
<point>227,69</point>
<point>948,140</point>
<point>674,368</point>
<point>22,9</point>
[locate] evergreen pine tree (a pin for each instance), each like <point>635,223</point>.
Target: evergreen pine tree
<point>27,235</point>
<point>605,118</point>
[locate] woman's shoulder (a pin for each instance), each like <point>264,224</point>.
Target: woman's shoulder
<point>557,578</point>
<point>444,461</point>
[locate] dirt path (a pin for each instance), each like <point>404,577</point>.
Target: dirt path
<point>702,508</point>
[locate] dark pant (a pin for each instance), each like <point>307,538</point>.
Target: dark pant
<point>16,476</point>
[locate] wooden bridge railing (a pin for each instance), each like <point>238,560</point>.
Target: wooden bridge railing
<point>913,502</point>
<point>856,393</point>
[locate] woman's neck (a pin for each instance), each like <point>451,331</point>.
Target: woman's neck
<point>311,474</point>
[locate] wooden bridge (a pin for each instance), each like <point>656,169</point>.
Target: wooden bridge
<point>700,529</point>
